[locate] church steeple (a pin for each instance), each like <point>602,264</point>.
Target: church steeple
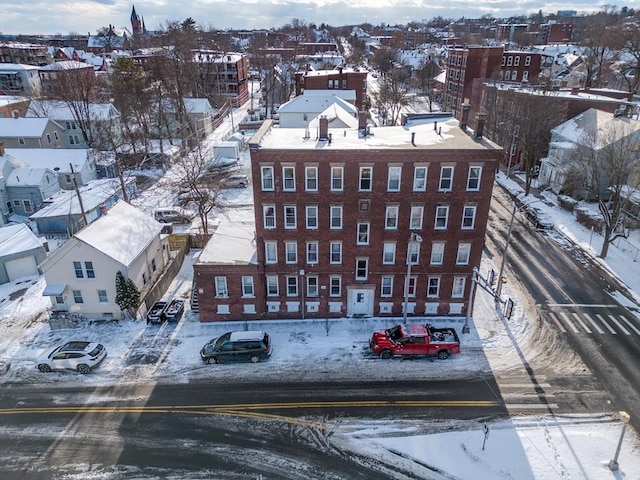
<point>136,24</point>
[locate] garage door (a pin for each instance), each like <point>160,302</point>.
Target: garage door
<point>21,267</point>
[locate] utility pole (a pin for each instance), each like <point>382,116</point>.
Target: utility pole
<point>75,186</point>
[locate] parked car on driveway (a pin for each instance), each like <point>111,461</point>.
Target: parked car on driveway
<point>241,346</point>
<point>81,356</point>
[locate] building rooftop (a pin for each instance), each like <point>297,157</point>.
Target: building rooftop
<point>233,242</point>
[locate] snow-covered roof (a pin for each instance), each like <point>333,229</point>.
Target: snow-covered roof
<point>16,67</point>
<point>22,127</point>
<point>58,110</point>
<point>23,177</point>
<point>233,242</point>
<point>6,100</point>
<point>316,103</point>
<point>56,159</point>
<point>198,105</point>
<point>16,239</point>
<point>598,124</point>
<point>338,118</point>
<point>65,65</point>
<point>122,234</point>
<point>65,202</point>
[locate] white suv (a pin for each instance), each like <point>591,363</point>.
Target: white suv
<point>81,356</point>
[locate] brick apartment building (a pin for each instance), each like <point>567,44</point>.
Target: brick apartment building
<point>338,79</point>
<point>339,214</point>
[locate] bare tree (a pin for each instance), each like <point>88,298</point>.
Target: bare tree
<point>423,80</point>
<point>599,46</point>
<point>392,96</point>
<point>606,165</point>
<point>629,37</point>
<point>383,60</point>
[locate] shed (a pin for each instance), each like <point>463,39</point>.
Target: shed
<point>20,253</point>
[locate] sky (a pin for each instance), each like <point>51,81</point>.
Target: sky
<point>82,16</point>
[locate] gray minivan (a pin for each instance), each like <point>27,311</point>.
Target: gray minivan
<point>242,346</point>
<point>173,215</point>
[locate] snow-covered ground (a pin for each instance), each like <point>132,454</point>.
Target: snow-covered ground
<point>524,447</point>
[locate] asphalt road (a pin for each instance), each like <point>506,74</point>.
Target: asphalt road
<point>573,296</point>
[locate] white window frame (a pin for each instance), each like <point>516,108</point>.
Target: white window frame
<point>335,213</point>
<point>270,252</point>
<point>459,284</point>
<point>393,179</point>
<point>337,181</point>
<point>292,285</point>
<point>247,287</point>
<point>266,179</point>
<point>392,212</point>
<point>464,253</point>
<point>411,285</point>
<point>288,178</point>
<point>417,214</point>
<point>312,253</point>
<point>471,177</point>
<point>386,287</point>
<point>439,216</point>
<point>335,281</point>
<point>102,296</point>
<point>290,221</point>
<point>365,264</point>
<point>420,179</point>
<point>312,286</point>
<point>363,233</point>
<point>291,252</point>
<point>437,253</point>
<point>389,253</point>
<point>311,217</point>
<point>269,221</point>
<point>222,291</point>
<point>433,282</point>
<point>271,282</point>
<point>413,253</point>
<point>362,180</point>
<point>311,179</point>
<point>335,254</point>
<point>446,178</point>
<point>468,217</point>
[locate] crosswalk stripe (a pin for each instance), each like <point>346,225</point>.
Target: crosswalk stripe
<point>606,324</point>
<point>595,325</point>
<point>588,330</point>
<point>566,319</point>
<point>633,327</point>
<point>624,330</point>
<point>557,322</point>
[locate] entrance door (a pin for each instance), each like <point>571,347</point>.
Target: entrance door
<point>360,302</point>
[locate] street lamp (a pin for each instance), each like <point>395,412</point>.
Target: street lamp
<point>625,417</point>
<point>414,239</point>
<point>302,287</point>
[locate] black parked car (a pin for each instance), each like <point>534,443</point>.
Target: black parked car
<point>251,346</point>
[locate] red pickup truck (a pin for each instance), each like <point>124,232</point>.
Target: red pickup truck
<point>415,339</point>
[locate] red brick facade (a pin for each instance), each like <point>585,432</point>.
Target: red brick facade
<point>339,79</point>
<point>321,220</point>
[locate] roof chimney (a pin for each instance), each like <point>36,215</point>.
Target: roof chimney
<point>324,128</point>
<point>481,118</point>
<point>465,116</point>
<point>575,90</point>
<point>413,138</point>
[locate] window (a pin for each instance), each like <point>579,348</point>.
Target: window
<point>420,179</point>
<point>269,215</point>
<point>446,179</point>
<point>468,217</point>
<point>291,252</point>
<point>266,175</point>
<point>21,142</point>
<point>336,217</point>
<point>77,266</point>
<point>509,61</point>
<point>458,287</point>
<point>272,285</point>
<point>412,286</point>
<point>292,286</point>
<point>386,287</point>
<point>525,76</point>
<point>48,138</point>
<point>77,296</point>
<point>55,135</point>
<point>416,217</point>
<point>393,182</point>
<point>391,217</point>
<point>527,61</point>
<point>337,174</point>
<point>362,268</point>
<point>221,287</point>
<point>514,75</point>
<point>27,205</point>
<point>89,269</point>
<point>289,216</point>
<point>413,253</point>
<point>247,286</point>
<point>335,286</point>
<point>288,179</point>
<point>153,265</point>
<point>389,253</point>
<point>74,140</point>
<point>473,182</point>
<point>516,61</point>
<point>102,296</point>
<point>363,234</point>
<point>335,252</point>
<point>270,252</point>
<point>437,253</point>
<point>366,174</point>
<point>311,179</point>
<point>312,217</point>
<point>442,216</point>
<point>433,288</point>
<point>312,252</point>
<point>464,250</point>
<point>312,286</point>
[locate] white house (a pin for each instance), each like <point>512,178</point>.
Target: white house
<point>299,111</point>
<point>60,160</point>
<point>81,274</point>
